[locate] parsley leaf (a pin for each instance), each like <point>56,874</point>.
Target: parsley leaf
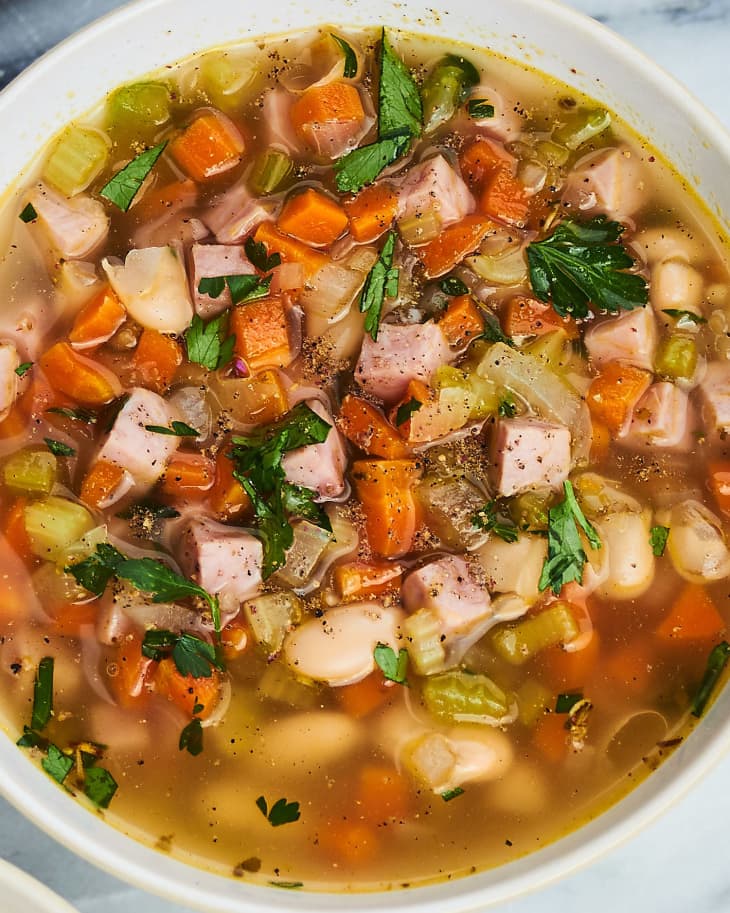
<point>212,286</point>
<point>177,429</point>
<point>300,502</point>
<point>452,285</point>
<point>28,213</point>
<point>582,263</point>
<point>450,794</point>
<point>191,655</point>
<point>58,448</point>
<point>243,288</point>
<point>399,98</point>
<point>487,519</point>
<point>565,557</point>
<point>99,785</point>
<point>57,764</point>
<point>281,812</point>
<point>87,416</point>
<point>258,255</point>
<point>42,695</point>
<point>564,703</point>
<point>123,187</point>
<point>362,166</point>
<point>493,330</point>
<point>393,665</point>
<point>716,662</point>
<point>350,70</point>
<point>31,739</point>
<point>685,319</point>
<point>381,283</point>
<point>23,369</point>
<point>191,738</point>
<point>479,108</point>
<point>658,539</point>
<point>406,410</point>
<point>207,343</point>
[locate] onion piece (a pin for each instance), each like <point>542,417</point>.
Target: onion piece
<point>696,542</point>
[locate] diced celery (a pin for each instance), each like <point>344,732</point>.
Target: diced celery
<point>84,547</point>
<point>79,156</point>
<point>530,510</point>
<point>460,697</point>
<point>582,127</point>
<point>420,228</point>
<point>423,636</point>
<point>270,171</point>
<point>445,88</point>
<point>55,588</point>
<point>483,393</point>
<point>302,558</point>
<point>677,357</point>
<point>449,505</point>
<point>533,699</point>
<point>54,524</point>
<point>270,617</point>
<point>229,79</point>
<point>553,348</point>
<point>145,103</point>
<point>518,643</point>
<point>31,472</point>
<point>278,684</point>
<point>551,154</point>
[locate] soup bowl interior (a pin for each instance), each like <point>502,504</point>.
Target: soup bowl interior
<point>150,33</point>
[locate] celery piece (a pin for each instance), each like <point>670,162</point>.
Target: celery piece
<point>533,699</point>
<point>54,524</point>
<point>445,88</point>
<point>31,472</point>
<point>278,684</point>
<point>270,171</point>
<point>518,643</point>
<point>449,505</point>
<point>530,510</point>
<point>228,80</point>
<point>461,697</point>
<point>582,127</point>
<point>304,554</point>
<point>553,348</point>
<point>145,103</point>
<point>270,617</point>
<point>484,395</point>
<point>423,641</point>
<point>420,228</point>
<point>676,358</point>
<point>83,547</point>
<point>551,154</point>
<point>78,157</point>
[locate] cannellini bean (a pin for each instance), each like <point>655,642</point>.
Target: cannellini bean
<point>445,760</point>
<point>630,558</point>
<point>522,791</point>
<point>120,730</point>
<point>676,285</point>
<point>305,741</point>
<point>338,648</point>
<point>9,380</point>
<point>514,567</point>
<point>655,244</point>
<point>696,543</point>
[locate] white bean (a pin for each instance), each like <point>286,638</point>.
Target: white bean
<point>514,567</point>
<point>696,544</point>
<point>630,558</point>
<point>676,285</point>
<point>655,244</point>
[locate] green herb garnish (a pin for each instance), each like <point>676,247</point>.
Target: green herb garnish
<point>566,702</point>
<point>125,184</point>
<point>488,519</point>
<point>176,429</point>
<point>507,407</point>
<point>450,794</point>
<point>685,319</point>
<point>58,448</point>
<point>287,885</point>
<point>350,70</point>
<point>191,738</point>
<point>716,662</point>
<point>363,165</point>
<point>582,263</point>
<point>28,213</point>
<point>207,343</point>
<point>406,410</point>
<point>247,287</point>
<point>394,666</point>
<point>658,539</point>
<point>87,416</point>
<point>479,108</point>
<point>259,257</point>
<point>23,369</point>
<point>191,655</point>
<point>493,330</point>
<point>99,785</point>
<point>281,812</point>
<point>57,764</point>
<point>566,558</point>
<point>452,285</point>
<point>42,695</point>
<point>381,283</point>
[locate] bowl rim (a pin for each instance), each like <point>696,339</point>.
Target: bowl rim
<point>72,825</point>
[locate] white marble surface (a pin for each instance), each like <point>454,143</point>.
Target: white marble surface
<point>681,862</point>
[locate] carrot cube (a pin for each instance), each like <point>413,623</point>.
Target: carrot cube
<point>211,145</point>
<point>313,217</point>
<point>261,329</point>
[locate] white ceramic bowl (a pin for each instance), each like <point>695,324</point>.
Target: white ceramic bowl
<point>22,894</point>
<point>571,47</point>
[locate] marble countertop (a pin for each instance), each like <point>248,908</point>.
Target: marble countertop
<point>680,863</point>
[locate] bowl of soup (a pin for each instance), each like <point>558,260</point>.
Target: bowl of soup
<point>364,398</point>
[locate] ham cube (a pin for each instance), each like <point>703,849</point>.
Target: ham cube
<point>320,467</point>
<point>434,185</point>
<point>608,181</point>
<point>715,393</point>
<point>74,227</point>
<point>662,418</point>
<point>632,337</point>
<point>234,215</point>
<point>448,589</point>
<point>529,454</point>
<point>210,261</point>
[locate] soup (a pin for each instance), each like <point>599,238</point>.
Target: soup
<point>364,475</point>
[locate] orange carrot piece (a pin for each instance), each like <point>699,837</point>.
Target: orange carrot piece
<point>234,639</point>
<point>211,145</point>
<point>632,666</point>
<point>313,217</point>
<point>462,321</point>
<point>385,489</point>
<point>334,103</point>
<point>614,392</point>
<point>290,249</point>
<point>156,360</point>
<point>550,737</point>
<point>529,317</point>
<point>367,428</point>
<point>504,198</point>
<point>133,673</point>
<point>693,616</point>
<point>98,321</point>
<point>159,200</point>
<point>452,245</point>
<point>482,158</point>
<point>351,843</point>
<point>364,697</point>
<point>185,691</point>
<point>227,498</point>
<point>416,391</point>
<point>372,212</point>
<point>15,532</point>
<point>188,475</point>
<point>719,476</point>
<point>570,671</point>
<point>70,618</point>
<point>261,329</point>
<point>358,579</point>
<point>39,397</point>
<point>82,379</point>
<point>382,794</point>
<point>100,483</point>
<point>600,442</point>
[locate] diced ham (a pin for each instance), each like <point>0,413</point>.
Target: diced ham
<point>276,116</point>
<point>9,380</point>
<point>333,140</point>
<point>506,123</point>
<point>632,337</point>
<point>74,227</point>
<point>224,560</point>
<point>320,467</point>
<point>210,261</point>
<point>234,215</point>
<point>175,221</point>
<point>664,418</point>
<point>608,181</point>
<point>399,355</point>
<point>144,454</point>
<point>715,393</point>
<point>435,185</point>
<point>448,589</point>
<point>153,286</point>
<point>529,454</point>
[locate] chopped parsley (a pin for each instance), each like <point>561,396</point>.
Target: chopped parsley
<point>394,666</point>
<point>87,416</point>
<point>58,448</point>
<point>658,539</point>
<point>350,69</point>
<point>42,695</point>
<point>247,287</point>
<point>208,344</point>
<point>191,738</point>
<point>488,519</point>
<point>281,812</point>
<point>449,794</point>
<point>287,885</point>
<point>716,662</point>
<point>479,108</point>
<point>452,285</point>
<point>57,764</point>
<point>99,785</point>
<point>566,558</point>
<point>191,655</point>
<point>258,255</point>
<point>381,283</point>
<point>176,429</point>
<point>566,702</point>
<point>406,410</point>
<point>23,369</point>
<point>125,184</point>
<point>493,330</point>
<point>28,213</point>
<point>685,319</point>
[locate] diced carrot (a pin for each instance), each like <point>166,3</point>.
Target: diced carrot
<point>39,397</point>
<point>159,200</point>
<point>188,475</point>
<point>693,616</point>
<point>529,317</point>
<point>185,691</point>
<point>15,532</point>
<point>600,442</point>
<point>234,639</point>
<point>550,737</point>
<point>482,158</point>
<point>227,498</point>
<point>570,671</point>
<point>371,212</point>
<point>382,794</point>
<point>156,360</point>
<point>385,489</point>
<point>719,476</point>
<point>290,249</point>
<point>462,321</point>
<point>416,392</point>
<point>313,217</point>
<point>367,428</point>
<point>70,618</point>
<point>79,377</point>
<point>504,198</point>
<point>333,103</point>
<point>452,245</point>
<point>364,697</point>
<point>211,145</point>
<point>132,673</point>
<point>100,483</point>
<point>15,423</point>
<point>349,842</point>
<point>631,666</point>
<point>358,579</point>
<point>16,588</point>
<point>261,329</point>
<point>98,321</point>
<point>614,392</point>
